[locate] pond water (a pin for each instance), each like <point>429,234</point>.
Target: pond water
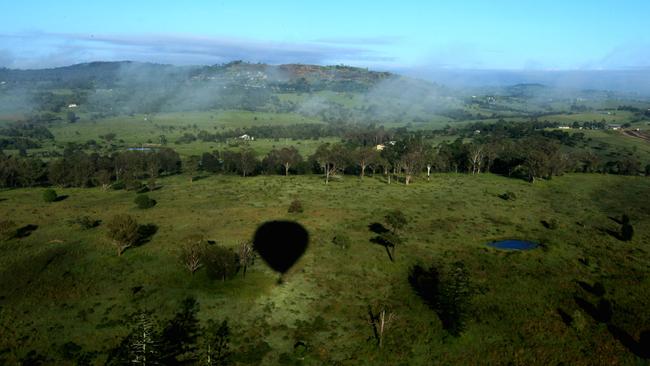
<point>139,149</point>
<point>513,244</point>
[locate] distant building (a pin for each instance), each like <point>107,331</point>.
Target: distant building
<point>72,105</point>
<point>564,127</point>
<point>477,132</point>
<point>246,137</point>
<point>614,127</point>
<point>380,147</point>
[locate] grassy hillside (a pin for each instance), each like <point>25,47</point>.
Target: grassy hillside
<point>62,284</point>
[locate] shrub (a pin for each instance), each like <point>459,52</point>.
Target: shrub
<point>118,185</point>
<point>295,207</point>
<point>341,240</point>
<point>143,201</point>
<point>123,232</point>
<point>508,196</point>
<point>49,195</point>
<point>85,222</point>
<point>221,262</point>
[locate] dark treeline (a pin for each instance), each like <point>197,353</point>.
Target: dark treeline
<point>76,168</point>
<point>520,150</point>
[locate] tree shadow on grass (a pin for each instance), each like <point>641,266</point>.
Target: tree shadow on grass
<point>377,228</point>
<point>386,244</point>
<point>26,231</point>
<point>597,289</point>
<point>566,318</point>
<point>616,220</point>
<point>601,312</point>
<point>61,198</point>
<point>640,348</point>
<point>145,233</point>
<point>610,232</point>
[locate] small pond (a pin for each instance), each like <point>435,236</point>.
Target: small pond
<point>513,244</point>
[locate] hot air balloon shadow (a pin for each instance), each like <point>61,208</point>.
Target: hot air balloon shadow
<point>281,244</point>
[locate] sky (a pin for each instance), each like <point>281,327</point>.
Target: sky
<point>384,35</point>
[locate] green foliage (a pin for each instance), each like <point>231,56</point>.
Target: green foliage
<point>192,252</point>
<point>143,201</point>
<point>295,207</point>
<point>216,344</point>
<point>221,262</point>
<point>49,195</point>
<point>178,339</point>
<point>85,222</point>
<point>122,230</point>
<point>395,220</point>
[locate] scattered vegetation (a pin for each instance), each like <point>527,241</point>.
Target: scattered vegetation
<point>143,201</point>
<point>49,195</point>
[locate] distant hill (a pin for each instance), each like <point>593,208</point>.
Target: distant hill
<point>111,74</point>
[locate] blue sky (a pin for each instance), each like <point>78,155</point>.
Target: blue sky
<point>490,34</point>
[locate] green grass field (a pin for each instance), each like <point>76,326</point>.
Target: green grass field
<point>62,284</point>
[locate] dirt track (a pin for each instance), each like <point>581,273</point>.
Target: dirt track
<point>639,134</point>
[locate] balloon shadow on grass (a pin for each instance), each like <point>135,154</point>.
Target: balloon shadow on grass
<point>281,244</point>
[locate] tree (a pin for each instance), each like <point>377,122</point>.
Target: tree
<point>411,163</point>
<point>395,220</point>
<point>109,137</point>
<point>247,161</point>
<point>144,347</point>
<point>192,165</point>
<point>152,162</point>
<point>380,323</point>
<point>123,232</point>
<point>221,262</point>
<point>287,157</point>
<point>475,154</point>
<point>365,156</point>
<point>192,252</point>
<point>246,255</point>
<point>332,159</point>
<point>103,178</point>
<point>216,344</point>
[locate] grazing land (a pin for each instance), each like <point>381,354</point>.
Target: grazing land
<point>128,216</point>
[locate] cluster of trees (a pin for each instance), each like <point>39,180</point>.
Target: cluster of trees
<point>23,136</point>
<point>79,169</point>
<point>179,341</point>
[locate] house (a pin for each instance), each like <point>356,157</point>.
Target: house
<point>72,105</point>
<point>564,127</point>
<point>477,132</point>
<point>246,137</point>
<point>380,147</point>
<point>614,127</point>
